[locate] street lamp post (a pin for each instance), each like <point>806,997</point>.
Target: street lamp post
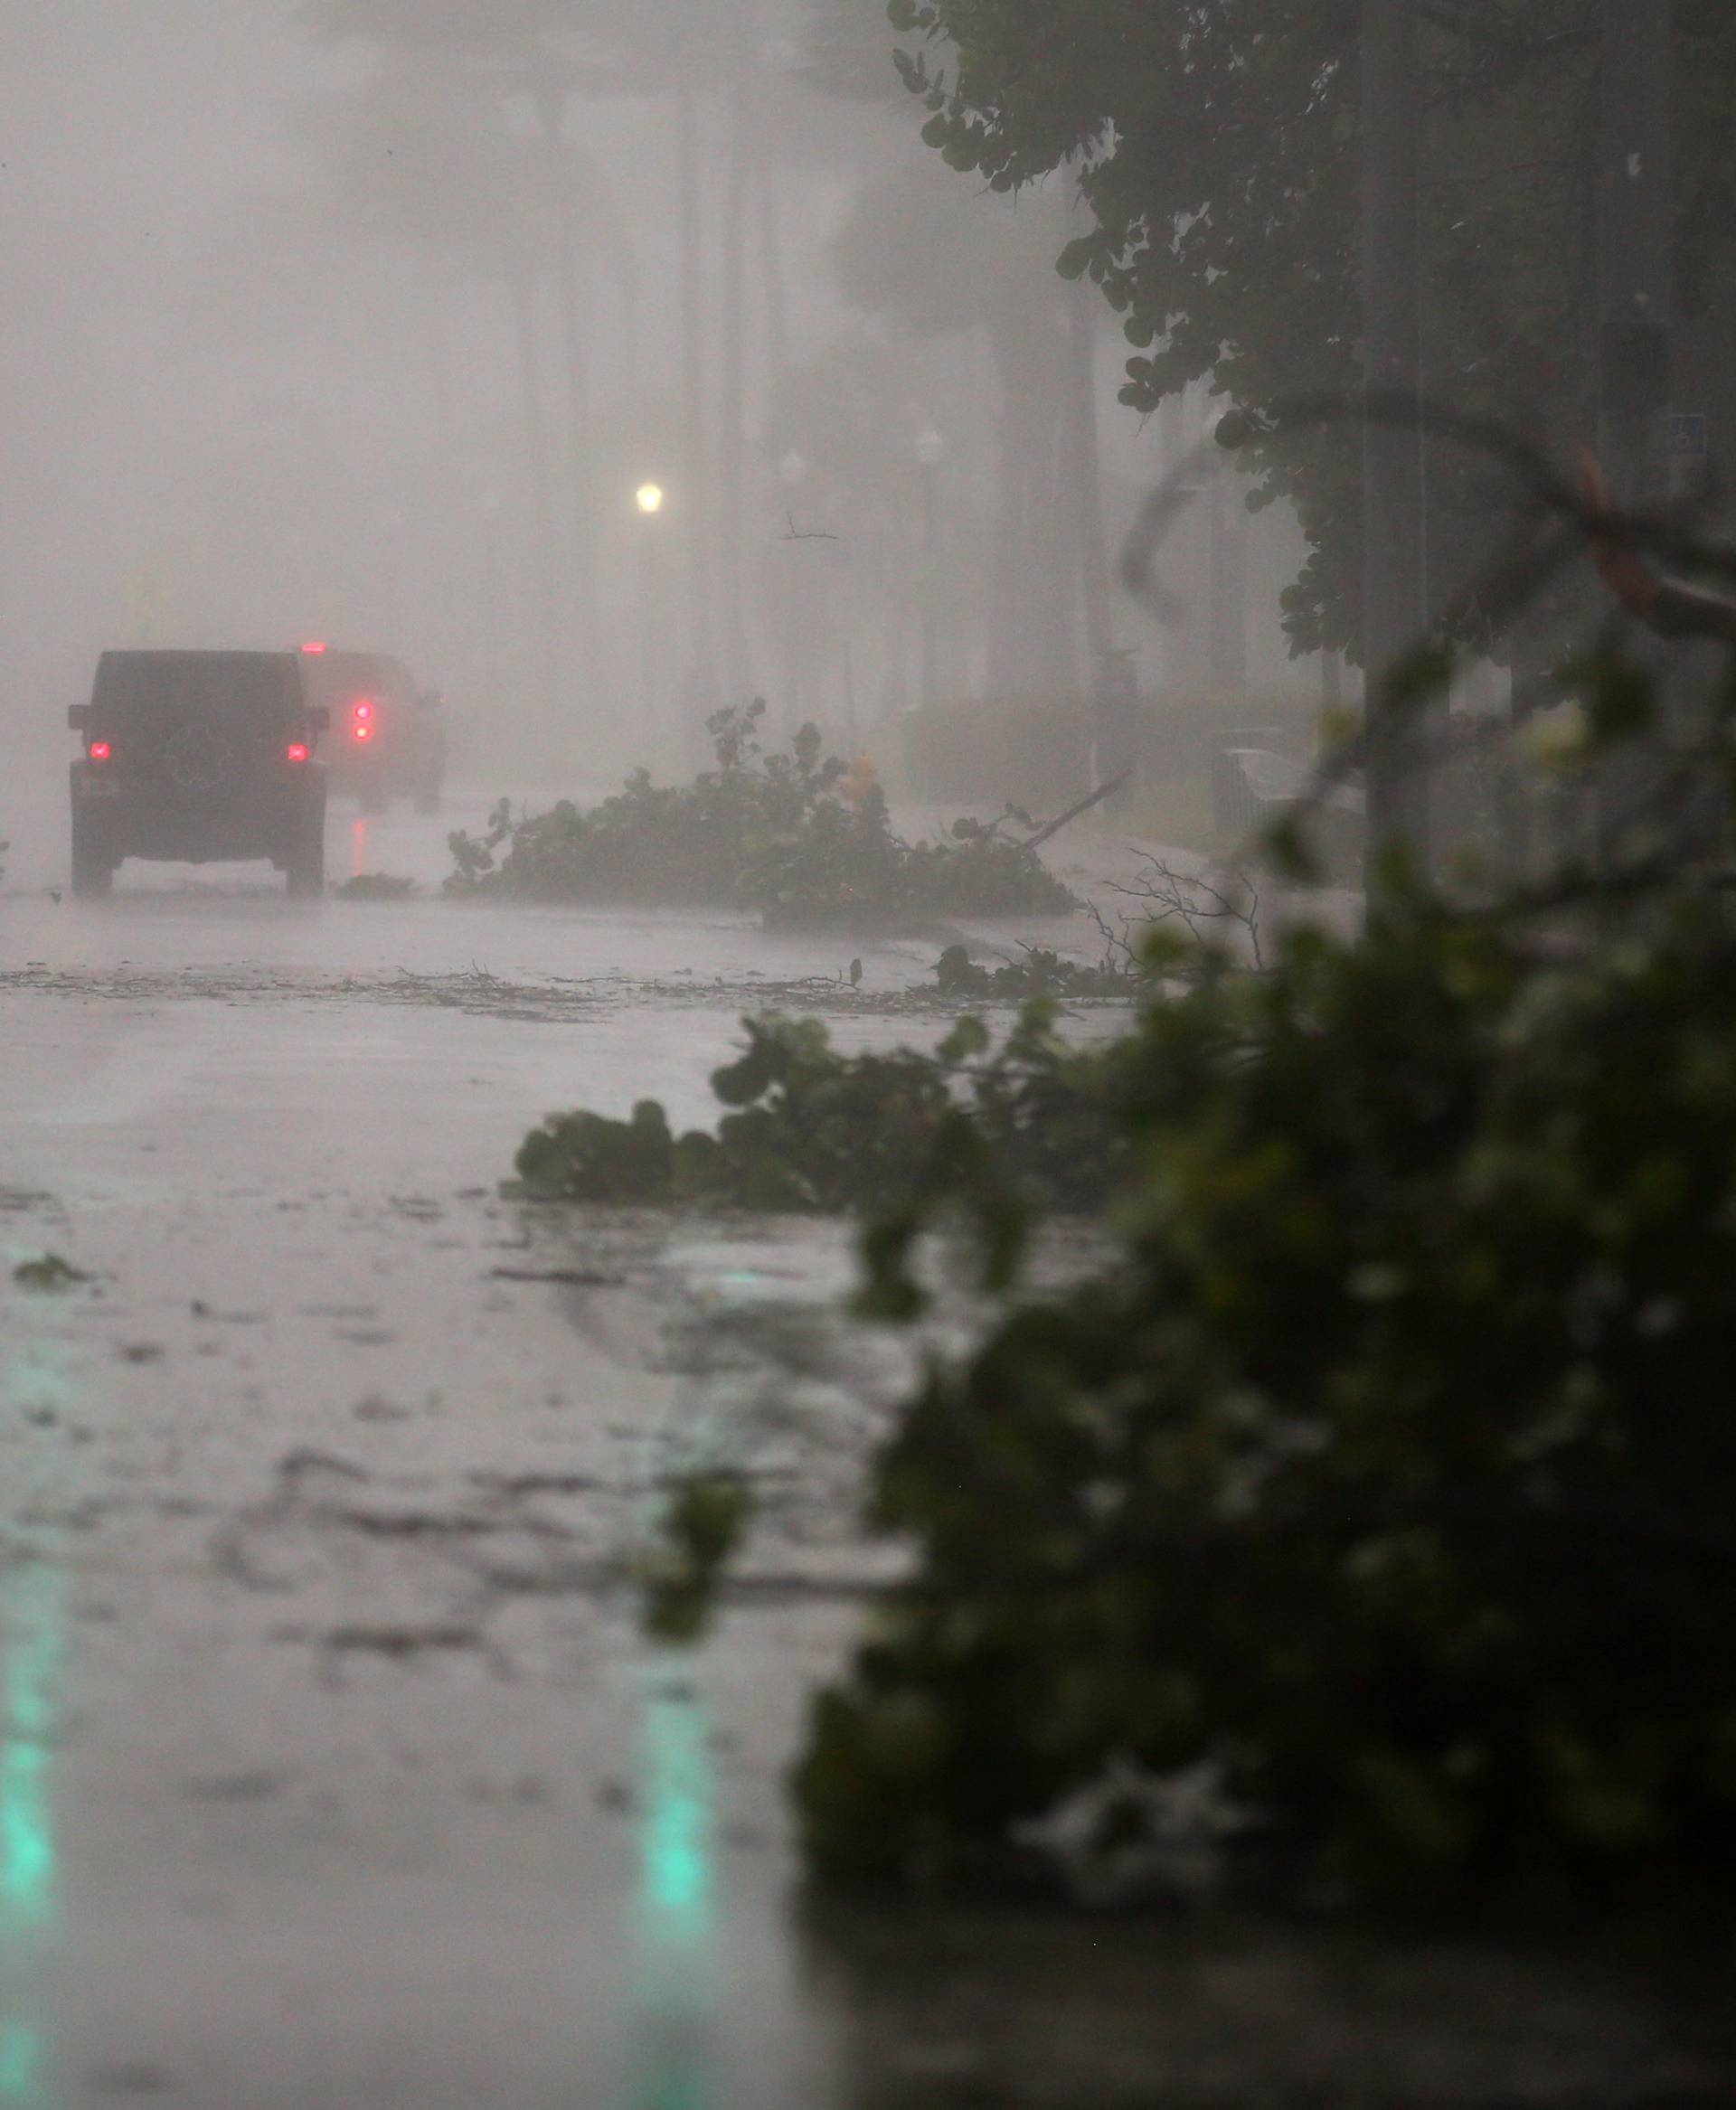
<point>1636,297</point>
<point>491,511</point>
<point>792,474</point>
<point>930,451</point>
<point>650,499</point>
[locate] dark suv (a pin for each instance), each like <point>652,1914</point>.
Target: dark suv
<point>388,736</point>
<point>199,757</point>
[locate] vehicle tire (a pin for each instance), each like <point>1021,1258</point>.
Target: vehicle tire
<point>304,870</point>
<point>93,870</point>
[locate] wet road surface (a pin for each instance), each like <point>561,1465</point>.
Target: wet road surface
<point>333,1770</point>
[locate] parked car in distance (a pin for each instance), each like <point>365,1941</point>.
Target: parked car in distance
<point>201,757</point>
<point>388,736</point>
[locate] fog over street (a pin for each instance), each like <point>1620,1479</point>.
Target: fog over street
<point>867,1145</point>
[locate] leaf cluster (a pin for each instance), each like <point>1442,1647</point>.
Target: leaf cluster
<point>50,1272</point>
<point>789,834</point>
<point>1385,1472</point>
<point>1024,1123</point>
<point>1040,973</point>
<point>1218,150</point>
<point>701,1529</point>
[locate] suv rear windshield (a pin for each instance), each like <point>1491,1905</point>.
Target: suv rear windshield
<point>257,691</point>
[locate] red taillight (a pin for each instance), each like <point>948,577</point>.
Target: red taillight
<point>364,709</point>
<point>296,751</point>
<point>100,750</point>
<point>363,733</point>
<point>313,648</point>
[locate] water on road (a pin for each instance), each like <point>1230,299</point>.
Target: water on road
<point>334,1772</point>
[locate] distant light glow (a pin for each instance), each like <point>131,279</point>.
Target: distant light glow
<point>362,732</point>
<point>650,498</point>
<point>313,648</point>
<point>364,709</point>
<point>296,751</point>
<point>100,750</point>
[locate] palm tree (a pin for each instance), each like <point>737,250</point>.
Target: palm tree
<point>540,211</point>
<point>414,161</point>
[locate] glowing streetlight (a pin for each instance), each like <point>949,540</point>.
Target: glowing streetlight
<point>655,615</point>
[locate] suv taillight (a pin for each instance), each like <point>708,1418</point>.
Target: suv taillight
<point>296,751</point>
<point>100,750</point>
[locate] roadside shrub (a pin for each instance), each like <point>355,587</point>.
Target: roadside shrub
<point>795,837</point>
<point>1384,1480</point>
<point>811,1128</point>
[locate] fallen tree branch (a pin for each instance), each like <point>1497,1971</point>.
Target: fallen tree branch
<point>1084,806</point>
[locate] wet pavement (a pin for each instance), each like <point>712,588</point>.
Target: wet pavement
<point>333,1769</point>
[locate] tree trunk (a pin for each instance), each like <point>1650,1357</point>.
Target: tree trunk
<point>1033,630</point>
<point>536,437</point>
<point>1084,475</point>
<point>698,677</point>
<point>1228,589</point>
<point>731,447</point>
<point>771,255</point>
<point>1394,599</point>
<point>586,671</point>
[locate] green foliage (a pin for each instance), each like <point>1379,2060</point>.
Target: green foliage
<point>810,1128</point>
<point>50,1272</point>
<point>704,1524</point>
<point>1386,1474</point>
<point>790,835</point>
<point>1216,150</point>
<point>1041,973</point>
<point>814,1129</point>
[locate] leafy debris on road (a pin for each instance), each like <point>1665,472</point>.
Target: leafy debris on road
<point>51,1273</point>
<point>801,841</point>
<point>700,1530</point>
<point>1041,973</point>
<point>376,886</point>
<point>568,1278</point>
<point>812,1128</point>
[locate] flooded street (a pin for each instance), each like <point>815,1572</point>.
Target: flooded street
<point>333,1769</point>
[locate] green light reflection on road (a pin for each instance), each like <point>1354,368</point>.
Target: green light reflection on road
<point>28,1607</point>
<point>676,1886</point>
<point>676,1844</point>
<point>20,2058</point>
<point>31,1646</point>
